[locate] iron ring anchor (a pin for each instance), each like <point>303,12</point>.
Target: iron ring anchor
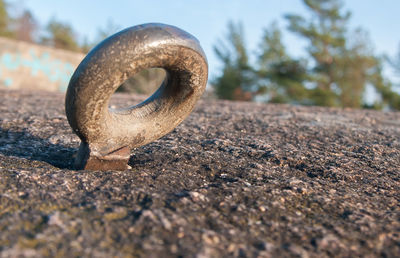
<point>107,136</point>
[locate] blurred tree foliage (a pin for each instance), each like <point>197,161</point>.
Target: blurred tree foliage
<point>279,75</point>
<point>4,21</point>
<point>394,99</point>
<point>237,78</point>
<point>325,32</point>
<point>339,66</point>
<point>344,63</point>
<point>395,62</point>
<point>26,27</point>
<point>61,35</point>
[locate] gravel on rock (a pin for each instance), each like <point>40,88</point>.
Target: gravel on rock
<point>234,179</point>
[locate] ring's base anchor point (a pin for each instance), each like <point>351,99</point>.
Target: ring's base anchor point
<point>116,160</point>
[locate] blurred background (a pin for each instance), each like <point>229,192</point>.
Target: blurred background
<point>301,52</point>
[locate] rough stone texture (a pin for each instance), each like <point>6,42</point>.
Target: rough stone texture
<point>234,179</point>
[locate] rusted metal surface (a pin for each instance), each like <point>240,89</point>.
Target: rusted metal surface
<point>108,135</point>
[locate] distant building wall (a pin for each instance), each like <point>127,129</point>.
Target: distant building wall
<point>29,66</point>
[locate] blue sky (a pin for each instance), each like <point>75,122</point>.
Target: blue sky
<point>207,19</point>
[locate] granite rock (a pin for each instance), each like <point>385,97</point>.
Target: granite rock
<point>234,179</point>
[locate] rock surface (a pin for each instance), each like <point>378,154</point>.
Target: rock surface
<point>235,179</point>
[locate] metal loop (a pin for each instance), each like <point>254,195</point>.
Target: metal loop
<point>109,135</point>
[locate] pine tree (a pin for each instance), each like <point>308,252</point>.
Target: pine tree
<point>395,64</point>
<point>237,80</point>
<point>344,62</point>
<point>61,36</point>
<point>280,76</point>
<point>384,87</point>
<point>391,97</point>
<point>4,21</point>
<point>325,32</point>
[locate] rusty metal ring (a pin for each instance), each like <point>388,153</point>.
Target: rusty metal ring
<point>109,135</point>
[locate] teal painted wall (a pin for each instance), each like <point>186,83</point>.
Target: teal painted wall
<point>24,65</point>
